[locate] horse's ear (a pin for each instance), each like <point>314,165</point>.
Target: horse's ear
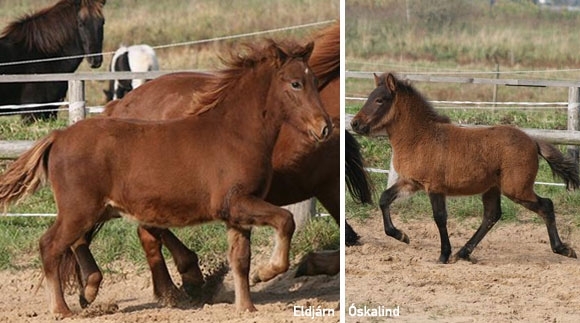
<point>377,80</point>
<point>391,82</point>
<point>281,54</point>
<point>308,51</point>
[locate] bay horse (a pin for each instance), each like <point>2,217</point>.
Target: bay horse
<point>152,172</point>
<point>135,58</point>
<point>443,159</point>
<point>68,28</point>
<point>298,173</point>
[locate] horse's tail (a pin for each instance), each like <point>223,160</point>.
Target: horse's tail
<point>562,166</point>
<point>357,178</point>
<point>26,174</point>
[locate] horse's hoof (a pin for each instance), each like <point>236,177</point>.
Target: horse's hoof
<point>351,240</point>
<point>302,269</point>
<point>83,301</point>
<point>566,251</point>
<point>172,298</point>
<point>404,238</point>
<point>193,291</point>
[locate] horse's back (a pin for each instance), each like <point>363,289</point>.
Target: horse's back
<point>466,161</point>
<point>172,94</point>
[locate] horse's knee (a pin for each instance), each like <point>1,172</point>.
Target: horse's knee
<point>387,198</point>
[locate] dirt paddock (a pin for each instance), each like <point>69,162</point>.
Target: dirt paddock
<point>127,296</point>
<point>513,276</point>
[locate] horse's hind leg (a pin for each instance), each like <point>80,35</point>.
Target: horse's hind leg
<point>400,188</point>
<point>491,214</point>
<point>187,264</point>
<point>440,215</point>
<point>545,208</point>
<point>320,263</point>
<point>55,242</point>
<point>163,287</point>
<point>89,274</point>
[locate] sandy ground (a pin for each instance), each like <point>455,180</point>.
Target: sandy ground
<point>514,276</point>
<point>127,296</point>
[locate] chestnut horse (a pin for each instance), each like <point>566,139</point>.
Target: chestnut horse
<point>461,161</point>
<point>152,172</point>
<point>298,173</point>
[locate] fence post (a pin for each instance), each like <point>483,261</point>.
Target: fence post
<point>573,117</point>
<point>302,212</point>
<point>76,99</point>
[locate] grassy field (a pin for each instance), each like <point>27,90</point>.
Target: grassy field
<point>160,23</point>
<point>466,38</point>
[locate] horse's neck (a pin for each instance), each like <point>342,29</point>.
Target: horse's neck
<point>73,48</point>
<point>255,115</point>
<point>410,124</point>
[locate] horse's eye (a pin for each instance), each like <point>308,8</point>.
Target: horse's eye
<point>296,85</point>
<point>379,101</point>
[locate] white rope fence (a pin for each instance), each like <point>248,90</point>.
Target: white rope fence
<point>186,43</point>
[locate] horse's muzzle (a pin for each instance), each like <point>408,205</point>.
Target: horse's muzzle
<point>359,127</point>
<point>323,134</point>
<point>95,61</point>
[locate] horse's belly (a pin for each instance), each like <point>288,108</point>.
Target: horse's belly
<point>169,216</point>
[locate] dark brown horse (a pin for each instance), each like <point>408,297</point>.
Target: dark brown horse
<point>68,28</point>
<point>299,173</point>
<point>152,171</point>
<point>460,161</point>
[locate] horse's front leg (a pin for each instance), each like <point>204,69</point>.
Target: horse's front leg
<point>249,210</point>
<point>440,214</point>
<point>239,255</point>
<point>399,189</point>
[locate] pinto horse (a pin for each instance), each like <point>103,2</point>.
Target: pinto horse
<point>151,171</point>
<point>135,58</point>
<point>461,161</point>
<point>69,28</point>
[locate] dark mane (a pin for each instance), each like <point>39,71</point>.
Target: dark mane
<point>239,64</point>
<point>325,59</point>
<point>49,29</point>
<point>404,86</point>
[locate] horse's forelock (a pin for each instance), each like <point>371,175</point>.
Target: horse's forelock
<point>238,63</point>
<point>91,9</point>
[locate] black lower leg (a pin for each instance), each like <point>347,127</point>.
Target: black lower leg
<point>387,198</point>
<point>491,214</point>
<point>440,214</point>
<point>545,208</point>
<point>351,237</point>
